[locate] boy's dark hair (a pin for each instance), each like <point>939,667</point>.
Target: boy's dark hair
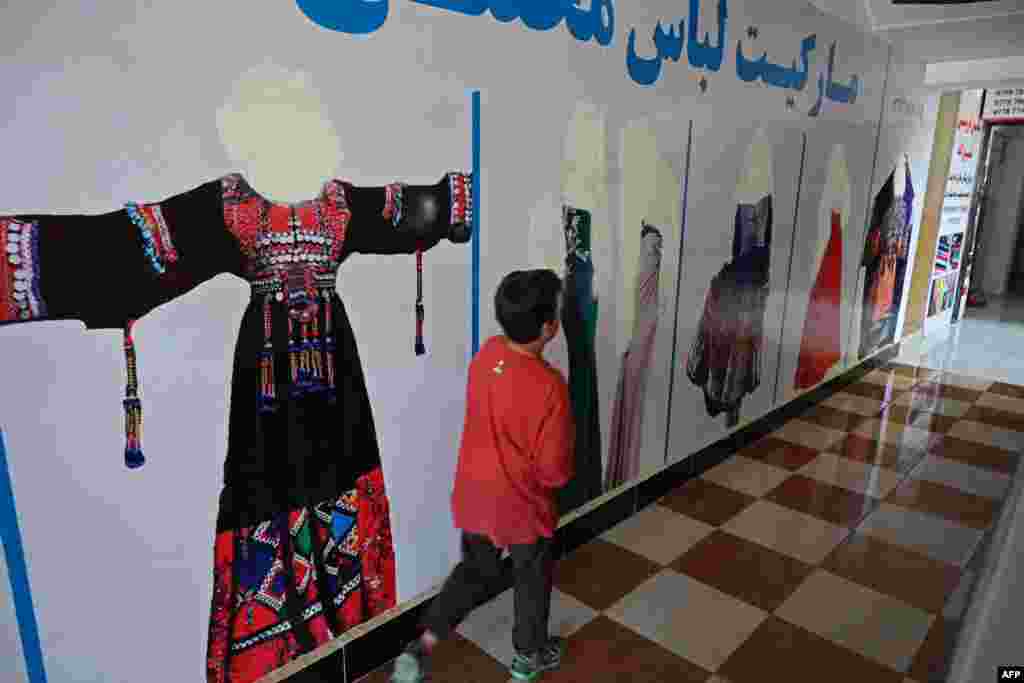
<point>525,300</point>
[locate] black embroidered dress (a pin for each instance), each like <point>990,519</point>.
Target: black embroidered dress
<point>303,548</point>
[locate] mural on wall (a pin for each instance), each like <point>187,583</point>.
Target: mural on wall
<point>653,153</point>
<point>303,548</point>
<point>725,355</point>
<point>579,321</point>
<point>290,577</point>
<point>886,248</point>
<point>821,344</point>
<point>628,411</point>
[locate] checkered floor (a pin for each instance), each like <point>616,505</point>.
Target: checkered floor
<point>841,546</point>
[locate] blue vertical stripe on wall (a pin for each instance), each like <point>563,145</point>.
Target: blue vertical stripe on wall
<point>18,573</point>
<point>476,223</point>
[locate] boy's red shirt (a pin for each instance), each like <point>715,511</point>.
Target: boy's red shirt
<point>517,447</point>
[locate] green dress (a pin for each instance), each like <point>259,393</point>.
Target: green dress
<point>579,319</point>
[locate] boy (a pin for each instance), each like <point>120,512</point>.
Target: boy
<point>516,450</point>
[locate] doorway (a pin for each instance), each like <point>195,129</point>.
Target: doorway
<point>999,269</point>
<point>1015,284</point>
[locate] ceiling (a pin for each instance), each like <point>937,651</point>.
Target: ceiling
<point>942,33</point>
<point>885,14</point>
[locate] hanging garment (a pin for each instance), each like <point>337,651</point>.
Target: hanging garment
<point>628,413</point>
<point>905,206</point>
<point>886,244</point>
<point>820,348</point>
<point>579,320</point>
<point>303,547</point>
<point>725,356</point>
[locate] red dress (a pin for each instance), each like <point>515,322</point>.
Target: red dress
<point>820,348</point>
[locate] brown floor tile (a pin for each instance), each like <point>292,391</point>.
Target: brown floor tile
<point>976,454</point>
<point>870,390</point>
<point>946,391</point>
<point>862,449</point>
<point>707,501</point>
<point>920,419</point>
<point>606,652</point>
<point>821,500</point>
<point>896,433</point>
<point>964,508</point>
<point>780,453</point>
<point>830,417</point>
<point>454,659</point>
<point>1011,390</point>
<point>936,653</point>
<point>996,418</point>
<point>727,562</point>
<point>895,571</point>
<point>780,651</point>
<point>600,573</point>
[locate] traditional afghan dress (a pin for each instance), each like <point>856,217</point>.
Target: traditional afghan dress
<point>579,320</point>
<point>820,348</point>
<point>725,356</point>
<point>886,249</point>
<point>303,547</point>
<point>628,412</point>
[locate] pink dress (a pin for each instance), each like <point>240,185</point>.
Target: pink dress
<point>627,415</point>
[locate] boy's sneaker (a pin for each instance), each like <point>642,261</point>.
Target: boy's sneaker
<point>409,667</point>
<point>528,667</point>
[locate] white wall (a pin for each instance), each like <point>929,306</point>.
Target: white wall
<point>10,638</point>
<point>105,106</point>
<point>975,73</point>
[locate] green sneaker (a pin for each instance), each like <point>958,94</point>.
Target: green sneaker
<point>408,668</point>
<point>529,667</point>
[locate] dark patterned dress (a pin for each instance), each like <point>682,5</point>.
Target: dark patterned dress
<point>886,249</point>
<point>579,320</point>
<point>725,357</point>
<point>303,547</point>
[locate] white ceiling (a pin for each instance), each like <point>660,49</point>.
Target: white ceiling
<point>962,40</point>
<point>884,14</point>
<point>985,38</point>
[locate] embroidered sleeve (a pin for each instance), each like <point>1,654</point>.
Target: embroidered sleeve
<point>20,294</point>
<point>156,237</point>
<point>393,203</point>
<point>400,218</point>
<point>460,186</point>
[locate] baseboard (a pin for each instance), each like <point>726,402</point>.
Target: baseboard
<point>364,650</point>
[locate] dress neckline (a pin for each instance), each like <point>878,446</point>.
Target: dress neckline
<point>324,194</point>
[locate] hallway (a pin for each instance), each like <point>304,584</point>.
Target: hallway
<point>843,545</point>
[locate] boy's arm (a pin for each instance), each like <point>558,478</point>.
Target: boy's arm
<point>553,464</point>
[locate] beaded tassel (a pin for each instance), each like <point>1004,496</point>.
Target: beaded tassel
<point>316,369</point>
<point>420,314</point>
<point>294,349</point>
<point>133,457</point>
<point>329,347</point>
<point>267,403</point>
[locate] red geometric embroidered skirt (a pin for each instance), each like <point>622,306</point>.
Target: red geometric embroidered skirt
<point>290,584</point>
